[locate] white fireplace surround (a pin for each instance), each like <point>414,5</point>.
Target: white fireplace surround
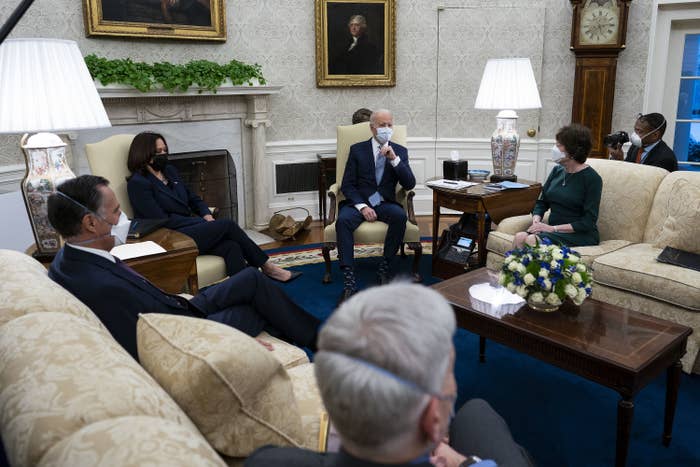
<point>233,118</point>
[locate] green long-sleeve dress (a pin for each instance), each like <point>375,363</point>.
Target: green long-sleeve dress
<point>573,198</point>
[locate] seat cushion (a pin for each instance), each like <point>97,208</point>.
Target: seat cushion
<point>23,278</point>
<point>373,232</point>
<point>635,269</point>
<point>239,396</point>
<point>210,269</point>
<point>500,243</point>
<point>133,441</point>
<point>59,374</point>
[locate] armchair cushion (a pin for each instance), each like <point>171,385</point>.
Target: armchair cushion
<point>107,158</point>
<point>239,396</point>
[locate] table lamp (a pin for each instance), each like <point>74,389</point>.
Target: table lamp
<point>45,86</point>
<point>507,84</point>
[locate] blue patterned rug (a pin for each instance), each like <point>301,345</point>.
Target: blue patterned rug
<point>562,419</point>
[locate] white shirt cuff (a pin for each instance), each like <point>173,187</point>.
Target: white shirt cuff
<point>396,161</point>
<point>360,206</point>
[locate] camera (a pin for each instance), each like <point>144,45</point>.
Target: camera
<point>615,140</point>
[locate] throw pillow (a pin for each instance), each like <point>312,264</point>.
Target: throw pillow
<point>239,396</point>
<point>680,228</point>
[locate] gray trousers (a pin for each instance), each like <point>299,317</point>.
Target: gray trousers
<point>478,430</point>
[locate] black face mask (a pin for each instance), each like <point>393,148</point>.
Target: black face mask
<point>159,162</point>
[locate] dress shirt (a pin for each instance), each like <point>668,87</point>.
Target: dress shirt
<point>105,254</point>
<point>646,152</point>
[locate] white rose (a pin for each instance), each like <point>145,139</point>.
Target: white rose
<point>576,278</point>
<point>537,297</point>
<point>580,296</point>
<point>570,291</point>
<point>546,284</point>
<point>557,255</point>
<point>552,299</point>
<point>554,264</point>
<point>521,290</point>
<point>529,279</point>
<point>573,258</point>
<point>580,267</point>
<point>544,273</point>
<point>521,269</point>
<point>508,259</point>
<point>512,266</point>
<point>511,287</point>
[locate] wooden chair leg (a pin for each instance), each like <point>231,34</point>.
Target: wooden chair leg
<point>417,254</point>
<point>325,250</point>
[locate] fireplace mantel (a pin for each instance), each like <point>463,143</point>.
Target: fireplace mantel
<point>248,105</point>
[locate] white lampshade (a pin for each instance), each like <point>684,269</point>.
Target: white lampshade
<point>46,86</point>
<point>508,83</point>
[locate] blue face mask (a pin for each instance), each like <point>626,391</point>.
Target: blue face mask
<point>384,134</point>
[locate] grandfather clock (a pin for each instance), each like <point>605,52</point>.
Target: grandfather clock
<point>598,35</point>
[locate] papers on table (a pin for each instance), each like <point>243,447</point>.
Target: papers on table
<point>450,184</point>
<point>135,250</point>
<point>505,185</point>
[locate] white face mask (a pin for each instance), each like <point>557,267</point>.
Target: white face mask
<point>120,230</point>
<point>636,140</point>
<point>557,155</point>
<point>384,134</point>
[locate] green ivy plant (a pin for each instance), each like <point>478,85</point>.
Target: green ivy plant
<point>204,74</point>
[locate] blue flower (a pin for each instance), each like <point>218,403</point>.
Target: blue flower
<point>545,265</point>
<point>588,290</point>
<point>526,261</point>
<point>545,241</point>
<point>572,268</point>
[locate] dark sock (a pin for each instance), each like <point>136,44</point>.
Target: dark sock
<point>383,266</point>
<point>349,278</point>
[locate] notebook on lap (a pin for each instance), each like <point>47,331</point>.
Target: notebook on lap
<point>141,227</point>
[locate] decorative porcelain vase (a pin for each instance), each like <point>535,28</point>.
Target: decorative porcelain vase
<point>505,143</point>
<point>542,306</point>
<point>46,168</point>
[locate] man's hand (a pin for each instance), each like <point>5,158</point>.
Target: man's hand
<point>616,152</point>
<point>369,214</point>
<point>388,152</point>
<point>444,456</point>
<point>208,217</point>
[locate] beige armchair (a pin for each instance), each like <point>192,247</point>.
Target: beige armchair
<point>107,158</point>
<point>368,232</point>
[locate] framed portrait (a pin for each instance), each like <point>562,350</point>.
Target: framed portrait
<point>171,19</point>
<point>355,43</point>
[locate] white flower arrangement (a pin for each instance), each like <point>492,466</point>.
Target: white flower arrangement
<point>546,273</point>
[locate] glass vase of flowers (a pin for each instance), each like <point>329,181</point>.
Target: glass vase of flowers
<point>545,275</point>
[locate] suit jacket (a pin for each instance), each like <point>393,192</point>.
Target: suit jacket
<point>270,456</point>
<point>114,294</point>
<point>660,156</point>
<point>365,58</point>
<point>152,199</point>
<point>359,179</point>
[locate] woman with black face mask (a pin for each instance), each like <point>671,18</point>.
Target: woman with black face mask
<point>156,192</point>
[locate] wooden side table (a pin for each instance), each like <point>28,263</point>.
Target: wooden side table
<point>326,171</point>
<point>475,199</point>
<point>170,270</point>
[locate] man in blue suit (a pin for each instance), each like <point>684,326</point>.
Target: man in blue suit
<point>373,170</point>
<point>85,210</point>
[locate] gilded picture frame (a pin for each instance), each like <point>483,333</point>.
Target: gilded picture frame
<point>355,43</point>
<point>165,19</point>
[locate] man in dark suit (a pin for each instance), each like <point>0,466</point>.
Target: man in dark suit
<point>386,377</point>
<point>84,211</point>
<point>647,146</point>
<point>373,169</point>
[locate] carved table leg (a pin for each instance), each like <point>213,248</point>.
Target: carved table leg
<point>673,381</point>
<point>625,412</point>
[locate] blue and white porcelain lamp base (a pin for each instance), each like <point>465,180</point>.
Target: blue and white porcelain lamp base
<point>505,143</point>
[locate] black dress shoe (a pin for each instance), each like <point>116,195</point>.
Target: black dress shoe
<point>347,293</point>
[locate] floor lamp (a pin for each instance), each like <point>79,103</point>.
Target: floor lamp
<point>507,83</point>
<point>45,87</point>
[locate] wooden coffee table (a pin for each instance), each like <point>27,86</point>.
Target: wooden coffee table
<point>618,348</point>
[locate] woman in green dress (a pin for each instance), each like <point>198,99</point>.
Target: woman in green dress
<point>571,193</point>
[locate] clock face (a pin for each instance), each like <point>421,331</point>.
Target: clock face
<point>600,21</point>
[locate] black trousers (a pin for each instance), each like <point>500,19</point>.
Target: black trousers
<point>251,303</point>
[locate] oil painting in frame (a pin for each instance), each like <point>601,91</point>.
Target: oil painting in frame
<point>355,43</point>
<point>173,19</point>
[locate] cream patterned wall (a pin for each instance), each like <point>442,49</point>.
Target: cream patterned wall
<point>279,34</point>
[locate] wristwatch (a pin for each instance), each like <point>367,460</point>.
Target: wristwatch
<point>470,460</point>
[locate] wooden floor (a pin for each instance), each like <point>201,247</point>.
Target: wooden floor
<point>315,232</point>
